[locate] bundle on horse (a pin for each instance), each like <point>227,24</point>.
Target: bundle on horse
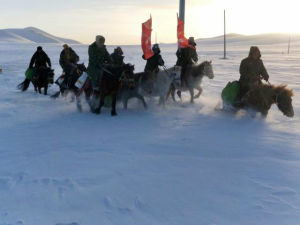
<point>41,79</point>
<point>157,84</point>
<point>112,79</point>
<point>262,97</point>
<point>193,76</point>
<point>130,89</point>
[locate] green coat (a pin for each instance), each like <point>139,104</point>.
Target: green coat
<point>251,70</point>
<point>97,57</point>
<point>186,56</point>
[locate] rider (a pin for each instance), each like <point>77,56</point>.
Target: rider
<point>117,57</point>
<point>39,61</point>
<point>185,57</point>
<point>252,70</point>
<point>154,61</point>
<point>98,58</point>
<point>68,60</point>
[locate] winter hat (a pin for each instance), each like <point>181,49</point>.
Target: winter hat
<point>100,39</point>
<point>39,48</point>
<point>192,41</point>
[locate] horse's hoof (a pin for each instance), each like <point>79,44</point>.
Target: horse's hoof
<point>114,114</point>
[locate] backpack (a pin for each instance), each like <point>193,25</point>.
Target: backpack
<point>231,92</point>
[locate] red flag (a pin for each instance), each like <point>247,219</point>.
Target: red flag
<point>182,41</point>
<point>146,38</point>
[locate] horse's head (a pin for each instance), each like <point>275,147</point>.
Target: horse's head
<point>207,69</point>
<point>81,67</point>
<point>173,72</point>
<point>283,99</point>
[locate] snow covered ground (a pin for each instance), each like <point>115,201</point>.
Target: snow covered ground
<point>182,165</point>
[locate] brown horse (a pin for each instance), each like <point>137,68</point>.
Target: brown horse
<point>263,96</point>
<point>193,76</point>
<point>112,79</point>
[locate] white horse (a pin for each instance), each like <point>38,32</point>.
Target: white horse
<point>157,84</point>
<point>193,76</point>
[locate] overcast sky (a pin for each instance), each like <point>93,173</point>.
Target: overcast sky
<point>120,20</point>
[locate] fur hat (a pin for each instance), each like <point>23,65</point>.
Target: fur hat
<point>65,46</point>
<point>39,48</point>
<point>254,49</point>
<point>192,41</point>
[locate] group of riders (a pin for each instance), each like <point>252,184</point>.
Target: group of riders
<point>252,69</point>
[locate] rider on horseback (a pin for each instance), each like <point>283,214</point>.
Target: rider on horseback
<point>68,61</point>
<point>252,70</point>
<point>186,57</point>
<point>98,58</point>
<point>117,57</point>
<point>154,61</point>
<point>39,62</point>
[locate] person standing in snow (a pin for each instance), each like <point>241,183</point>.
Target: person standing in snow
<point>117,57</point>
<point>252,70</point>
<point>186,57</point>
<point>98,58</point>
<point>154,61</point>
<point>39,61</point>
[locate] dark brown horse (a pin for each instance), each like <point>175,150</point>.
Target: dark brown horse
<point>112,79</point>
<point>263,96</point>
<point>42,78</point>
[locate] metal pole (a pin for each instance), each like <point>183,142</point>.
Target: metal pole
<point>289,45</point>
<point>182,10</point>
<point>224,34</point>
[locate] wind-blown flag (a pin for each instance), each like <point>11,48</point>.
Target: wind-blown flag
<point>182,41</point>
<point>146,38</point>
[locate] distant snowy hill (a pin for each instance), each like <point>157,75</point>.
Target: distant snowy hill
<point>31,35</point>
<point>259,39</point>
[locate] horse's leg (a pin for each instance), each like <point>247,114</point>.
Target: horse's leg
<point>78,101</point>
<point>101,104</point>
<point>192,94</point>
<point>178,94</point>
<point>40,90</point>
<point>199,93</point>
<point>113,105</point>
<point>46,89</point>
<point>142,99</point>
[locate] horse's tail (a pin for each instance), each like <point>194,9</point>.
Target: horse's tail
<point>24,85</point>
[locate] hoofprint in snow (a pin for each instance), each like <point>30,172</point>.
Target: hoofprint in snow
<point>172,166</point>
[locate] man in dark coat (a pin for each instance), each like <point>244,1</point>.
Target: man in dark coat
<point>98,58</point>
<point>154,61</point>
<point>39,61</point>
<point>186,57</point>
<point>68,59</point>
<point>117,57</point>
<point>252,70</point>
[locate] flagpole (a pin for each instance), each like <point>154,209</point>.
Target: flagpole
<point>182,10</point>
<point>224,34</point>
<point>289,45</point>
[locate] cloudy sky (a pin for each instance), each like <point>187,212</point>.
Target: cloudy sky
<point>120,20</point>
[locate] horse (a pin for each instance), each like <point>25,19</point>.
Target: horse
<point>262,97</point>
<point>42,78</point>
<point>113,78</point>
<point>157,84</point>
<point>193,76</point>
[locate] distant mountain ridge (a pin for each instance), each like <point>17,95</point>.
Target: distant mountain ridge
<point>32,35</point>
<point>257,39</point>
